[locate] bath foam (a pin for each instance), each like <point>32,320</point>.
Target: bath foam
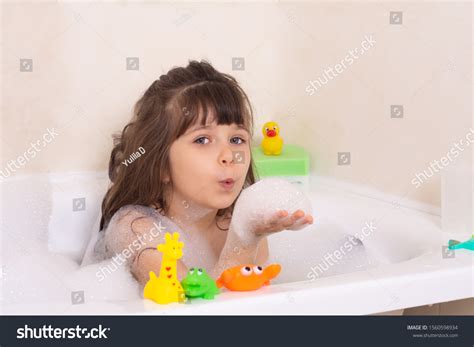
<point>40,276</point>
<point>293,162</point>
<point>261,201</point>
<point>323,249</point>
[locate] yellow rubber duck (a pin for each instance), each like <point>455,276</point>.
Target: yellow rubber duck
<point>166,288</point>
<point>272,143</point>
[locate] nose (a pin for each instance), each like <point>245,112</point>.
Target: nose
<point>226,156</point>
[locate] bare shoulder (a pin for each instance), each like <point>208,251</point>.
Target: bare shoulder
<point>132,222</point>
<point>139,218</point>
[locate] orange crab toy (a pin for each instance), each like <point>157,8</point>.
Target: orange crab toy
<point>247,277</point>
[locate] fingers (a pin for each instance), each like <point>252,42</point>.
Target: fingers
<point>288,222</point>
<point>281,220</point>
<point>282,213</point>
<point>274,219</point>
<point>297,220</point>
<point>273,223</point>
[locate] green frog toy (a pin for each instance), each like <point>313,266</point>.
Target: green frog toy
<point>198,284</point>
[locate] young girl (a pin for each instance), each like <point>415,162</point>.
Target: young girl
<point>181,164</point>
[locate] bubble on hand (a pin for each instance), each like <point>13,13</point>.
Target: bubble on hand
<point>262,200</point>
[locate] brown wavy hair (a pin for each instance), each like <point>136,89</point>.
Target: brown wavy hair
<point>171,105</point>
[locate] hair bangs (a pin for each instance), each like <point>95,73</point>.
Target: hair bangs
<point>212,101</point>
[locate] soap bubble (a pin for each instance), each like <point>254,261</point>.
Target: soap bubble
<point>271,195</point>
<point>262,200</point>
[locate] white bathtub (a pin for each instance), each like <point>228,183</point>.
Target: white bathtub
<point>406,267</point>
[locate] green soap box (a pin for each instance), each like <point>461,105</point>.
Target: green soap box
<point>293,161</point>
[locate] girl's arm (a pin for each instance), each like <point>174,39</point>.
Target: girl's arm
<point>253,246</point>
<point>136,235</point>
<point>237,251</point>
<point>262,252</point>
<point>150,260</point>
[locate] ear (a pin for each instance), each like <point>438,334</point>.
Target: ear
<point>167,237</point>
<point>176,235</point>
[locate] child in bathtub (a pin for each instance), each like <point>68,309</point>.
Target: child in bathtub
<point>180,165</point>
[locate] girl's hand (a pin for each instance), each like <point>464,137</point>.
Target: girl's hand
<point>283,221</point>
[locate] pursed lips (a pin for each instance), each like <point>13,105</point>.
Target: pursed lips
<point>227,183</point>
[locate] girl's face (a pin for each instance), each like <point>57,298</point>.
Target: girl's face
<point>209,165</point>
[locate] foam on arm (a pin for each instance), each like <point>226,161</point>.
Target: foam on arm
<point>255,205</point>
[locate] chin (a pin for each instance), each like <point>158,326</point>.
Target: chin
<point>222,203</point>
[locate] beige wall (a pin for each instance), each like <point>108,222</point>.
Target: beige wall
<point>80,86</point>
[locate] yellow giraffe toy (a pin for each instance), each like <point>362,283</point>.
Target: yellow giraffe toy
<point>166,288</point>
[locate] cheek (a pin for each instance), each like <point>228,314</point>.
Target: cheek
<point>245,167</point>
<point>179,163</point>
<point>242,170</point>
<point>189,166</point>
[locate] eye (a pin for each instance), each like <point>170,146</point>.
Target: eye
<point>246,271</point>
<point>266,129</point>
<point>191,271</point>
<point>258,270</point>
<point>200,140</point>
<point>238,138</point>
<point>199,272</point>
<point>274,128</point>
